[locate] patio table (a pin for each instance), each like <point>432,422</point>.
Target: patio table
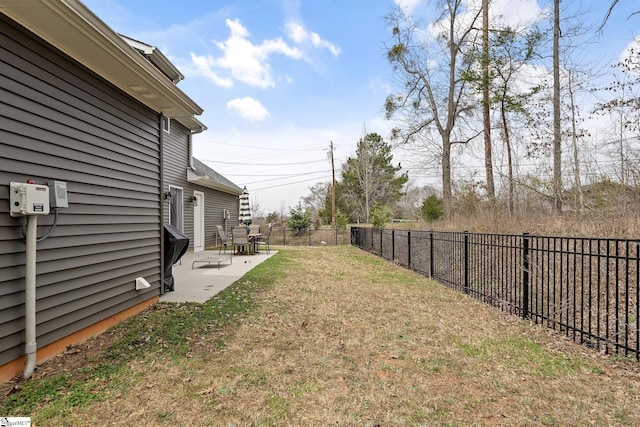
<point>253,240</point>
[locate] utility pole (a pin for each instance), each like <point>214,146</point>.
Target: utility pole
<point>333,186</point>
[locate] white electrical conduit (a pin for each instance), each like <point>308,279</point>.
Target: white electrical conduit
<point>30,297</point>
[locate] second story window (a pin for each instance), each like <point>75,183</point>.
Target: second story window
<point>166,124</point>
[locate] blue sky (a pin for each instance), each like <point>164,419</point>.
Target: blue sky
<point>280,79</point>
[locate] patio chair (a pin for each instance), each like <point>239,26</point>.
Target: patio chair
<point>264,239</point>
<point>224,239</point>
<point>254,229</point>
<point>240,239</point>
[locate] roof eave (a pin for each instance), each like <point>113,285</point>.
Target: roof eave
<point>156,57</point>
<point>72,28</point>
<point>205,181</point>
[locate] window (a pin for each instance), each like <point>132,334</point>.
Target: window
<point>166,124</point>
<point>176,208</point>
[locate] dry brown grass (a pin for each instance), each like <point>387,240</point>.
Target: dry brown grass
<point>611,224</point>
<point>346,339</point>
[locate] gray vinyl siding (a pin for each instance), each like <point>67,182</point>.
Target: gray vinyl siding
<point>215,202</point>
<point>60,121</point>
<point>176,162</point>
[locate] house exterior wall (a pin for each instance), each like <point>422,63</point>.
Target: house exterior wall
<point>60,121</point>
<point>215,202</point>
<point>176,163</point>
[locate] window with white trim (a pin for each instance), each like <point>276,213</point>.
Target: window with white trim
<point>176,208</point>
<point>166,124</point>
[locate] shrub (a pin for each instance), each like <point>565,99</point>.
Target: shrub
<point>380,215</point>
<point>299,220</point>
<point>432,208</point>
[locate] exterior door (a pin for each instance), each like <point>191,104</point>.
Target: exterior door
<point>198,222</point>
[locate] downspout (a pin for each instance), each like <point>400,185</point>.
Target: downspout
<point>162,203</point>
<point>190,149</point>
<point>192,132</point>
<point>30,297</point>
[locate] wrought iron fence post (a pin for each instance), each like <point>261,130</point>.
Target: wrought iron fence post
<point>431,255</point>
<point>371,248</point>
<point>466,262</point>
<point>393,244</point>
<point>309,234</point>
<point>409,249</point>
<point>284,236</point>
<point>381,242</point>
<point>637,310</point>
<point>525,275</point>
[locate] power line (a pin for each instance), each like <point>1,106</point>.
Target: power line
<point>262,164</point>
<point>304,148</point>
<point>290,183</point>
<point>275,174</point>
<point>284,177</point>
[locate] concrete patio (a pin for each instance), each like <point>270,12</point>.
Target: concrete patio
<point>203,281</point>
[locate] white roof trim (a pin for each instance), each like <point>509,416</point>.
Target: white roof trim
<point>157,58</point>
<point>206,181</point>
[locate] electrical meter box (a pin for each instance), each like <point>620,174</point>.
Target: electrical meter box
<point>58,194</point>
<point>28,199</point>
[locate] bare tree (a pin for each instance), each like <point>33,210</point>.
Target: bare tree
<point>256,207</point>
<point>623,107</point>
<point>429,68</point>
<point>410,204</point>
<point>557,131</point>
<point>486,116</point>
<point>511,51</point>
<point>315,202</point>
<point>608,14</point>
<point>283,212</point>
<point>575,134</point>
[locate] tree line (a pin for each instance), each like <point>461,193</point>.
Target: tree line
<point>521,91</point>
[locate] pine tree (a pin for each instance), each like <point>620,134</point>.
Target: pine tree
<point>371,178</point>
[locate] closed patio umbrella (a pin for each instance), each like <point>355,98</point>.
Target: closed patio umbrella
<point>245,210</point>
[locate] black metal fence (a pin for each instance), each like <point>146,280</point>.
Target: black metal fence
<point>323,236</point>
<point>586,288</point>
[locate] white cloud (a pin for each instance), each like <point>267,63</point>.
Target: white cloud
<point>511,12</point>
<point>245,61</point>
<point>630,51</point>
<point>516,13</point>
<point>296,32</point>
<point>407,6</point>
<point>203,65</point>
<point>248,108</point>
<point>377,85</point>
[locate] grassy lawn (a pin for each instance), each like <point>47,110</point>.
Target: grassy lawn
<point>329,335</point>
